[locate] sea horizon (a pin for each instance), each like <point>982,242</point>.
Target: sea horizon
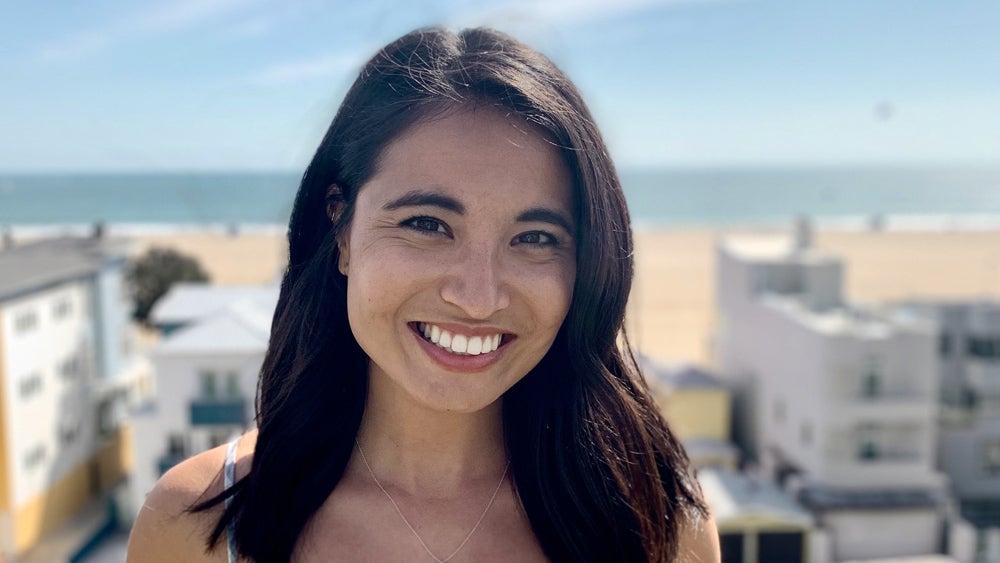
<point>855,197</point>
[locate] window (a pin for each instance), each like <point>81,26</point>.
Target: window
<point>69,368</point>
<point>209,385</point>
<point>806,434</point>
<point>731,546</point>
<point>25,322</point>
<point>779,411</point>
<point>232,384</point>
<point>34,457</point>
<point>62,308</point>
<point>871,380</point>
<point>983,347</point>
<point>944,347</point>
<point>780,546</point>
<point>69,432</point>
<point>176,445</point>
<point>991,457</point>
<point>867,445</point>
<point>30,385</point>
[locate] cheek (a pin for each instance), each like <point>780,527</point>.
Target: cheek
<point>553,294</point>
<point>379,281</point>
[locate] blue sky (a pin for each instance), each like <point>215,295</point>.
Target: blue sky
<point>183,85</point>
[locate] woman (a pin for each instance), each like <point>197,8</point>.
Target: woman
<point>447,377</point>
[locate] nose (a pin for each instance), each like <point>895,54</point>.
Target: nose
<point>476,283</point>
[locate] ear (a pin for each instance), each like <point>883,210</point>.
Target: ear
<point>334,211</point>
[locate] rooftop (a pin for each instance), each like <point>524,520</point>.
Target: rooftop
<point>219,320</point>
<point>770,248</point>
<point>29,267</point>
<point>734,495</point>
<point>188,301</point>
<point>679,376</point>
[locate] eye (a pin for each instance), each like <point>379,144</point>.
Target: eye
<point>537,238</point>
<point>425,225</point>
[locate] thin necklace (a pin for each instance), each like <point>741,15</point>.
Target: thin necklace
<point>407,522</point>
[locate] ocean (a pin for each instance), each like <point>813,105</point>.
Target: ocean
<point>848,197</point>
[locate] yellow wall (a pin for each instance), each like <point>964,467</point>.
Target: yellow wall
<point>4,474</point>
<point>67,496</point>
<point>696,413</point>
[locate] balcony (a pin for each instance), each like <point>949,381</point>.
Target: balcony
<point>884,471</point>
<point>230,411</point>
<point>169,460</point>
<point>884,409</point>
<point>984,378</point>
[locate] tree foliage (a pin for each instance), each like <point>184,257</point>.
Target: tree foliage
<point>151,275</point>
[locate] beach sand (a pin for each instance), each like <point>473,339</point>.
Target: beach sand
<point>671,311</point>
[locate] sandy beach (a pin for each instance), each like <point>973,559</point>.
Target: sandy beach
<point>672,307</point>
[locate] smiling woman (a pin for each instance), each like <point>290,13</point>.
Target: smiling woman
<point>447,377</point>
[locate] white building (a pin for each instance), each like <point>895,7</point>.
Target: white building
<point>206,369</point>
<point>836,402</point>
<point>969,452</point>
<point>67,370</point>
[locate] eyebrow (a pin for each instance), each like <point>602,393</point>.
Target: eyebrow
<point>546,215</point>
<point>418,198</point>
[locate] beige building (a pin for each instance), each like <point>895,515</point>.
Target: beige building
<point>696,405</point>
<point>67,363</point>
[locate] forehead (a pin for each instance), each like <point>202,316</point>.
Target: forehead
<point>480,155</point>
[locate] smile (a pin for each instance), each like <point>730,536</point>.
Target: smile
<point>459,344</point>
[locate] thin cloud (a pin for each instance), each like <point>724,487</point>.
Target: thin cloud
<point>562,12</point>
<point>323,66</point>
<point>254,27</point>
<point>162,19</point>
<point>77,46</point>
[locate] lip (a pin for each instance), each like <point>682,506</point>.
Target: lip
<point>462,363</point>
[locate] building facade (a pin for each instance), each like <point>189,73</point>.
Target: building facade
<point>969,452</point>
<point>696,405</point>
<point>68,368</point>
<point>835,402</point>
<point>206,367</point>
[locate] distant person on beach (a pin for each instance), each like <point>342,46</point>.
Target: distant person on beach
<point>447,377</point>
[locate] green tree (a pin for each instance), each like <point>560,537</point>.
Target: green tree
<point>151,275</point>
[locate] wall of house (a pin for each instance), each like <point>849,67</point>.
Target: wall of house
<point>50,424</point>
<point>870,534</point>
<point>6,521</point>
<point>697,413</point>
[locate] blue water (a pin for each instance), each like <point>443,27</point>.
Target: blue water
<point>666,197</point>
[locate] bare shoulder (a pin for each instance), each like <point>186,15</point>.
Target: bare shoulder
<point>699,541</point>
<point>164,529</point>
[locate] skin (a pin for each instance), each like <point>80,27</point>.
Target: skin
<point>483,261</point>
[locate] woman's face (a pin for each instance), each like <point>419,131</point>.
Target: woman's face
<point>461,258</point>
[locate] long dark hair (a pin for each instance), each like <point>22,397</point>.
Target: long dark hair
<point>598,473</point>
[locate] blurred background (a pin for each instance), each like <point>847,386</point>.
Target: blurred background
<point>814,186</point>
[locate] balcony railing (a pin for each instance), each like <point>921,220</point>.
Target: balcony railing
<point>169,460</point>
<point>222,411</point>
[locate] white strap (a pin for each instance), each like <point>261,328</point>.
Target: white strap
<point>229,478</point>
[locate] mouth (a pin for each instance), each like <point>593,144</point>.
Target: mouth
<point>460,344</point>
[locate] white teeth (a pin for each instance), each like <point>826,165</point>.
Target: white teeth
<point>459,343</point>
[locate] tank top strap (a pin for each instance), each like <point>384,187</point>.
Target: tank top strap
<point>229,479</point>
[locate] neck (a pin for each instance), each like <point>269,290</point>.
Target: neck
<point>428,452</point>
